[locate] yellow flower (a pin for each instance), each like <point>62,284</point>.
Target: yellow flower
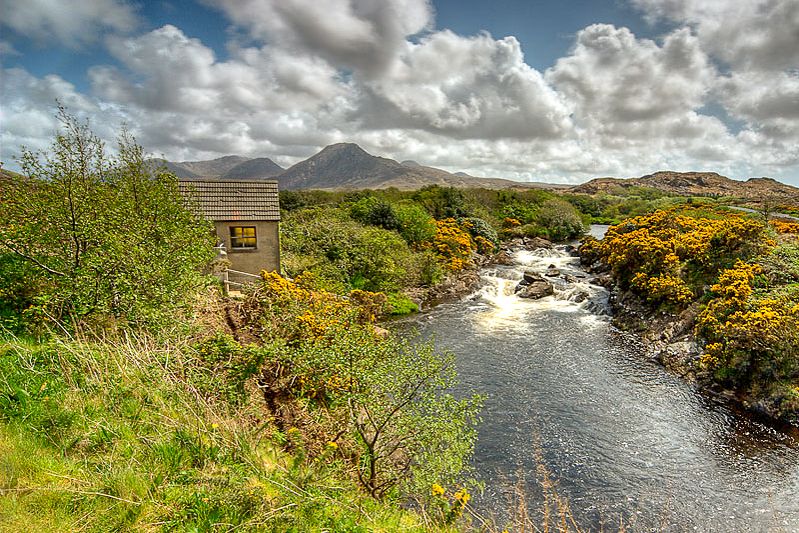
<point>438,490</point>
<point>214,426</point>
<point>332,445</point>
<point>462,496</point>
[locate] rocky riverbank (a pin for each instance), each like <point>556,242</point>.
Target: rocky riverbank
<point>464,282</point>
<point>669,339</point>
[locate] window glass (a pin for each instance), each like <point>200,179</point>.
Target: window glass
<point>242,237</point>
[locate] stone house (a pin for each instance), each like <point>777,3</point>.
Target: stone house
<point>246,217</point>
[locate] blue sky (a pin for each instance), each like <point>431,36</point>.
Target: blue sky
<point>527,90</point>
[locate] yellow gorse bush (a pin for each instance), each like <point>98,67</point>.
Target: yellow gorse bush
<point>785,227</point>
<point>652,254</point>
<point>454,244</point>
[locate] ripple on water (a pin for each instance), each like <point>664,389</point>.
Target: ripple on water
<point>620,435</point>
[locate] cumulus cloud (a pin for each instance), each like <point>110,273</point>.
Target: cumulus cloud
<point>474,87</point>
<point>360,35</point>
<point>769,104</point>
<point>178,73</point>
<point>755,34</point>
<point>622,86</point>
<point>325,71</point>
<point>70,23</point>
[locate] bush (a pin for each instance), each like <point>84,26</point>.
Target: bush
<point>105,237</point>
<point>416,226</point>
<point>406,430</point>
<point>400,304</point>
<point>375,212</point>
<point>328,243</point>
<point>560,219</point>
<point>485,236</point>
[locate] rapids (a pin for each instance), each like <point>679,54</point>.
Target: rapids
<point>623,439</point>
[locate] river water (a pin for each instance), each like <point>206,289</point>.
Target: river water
<point>623,438</point>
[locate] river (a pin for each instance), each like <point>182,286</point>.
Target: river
<point>623,438</point>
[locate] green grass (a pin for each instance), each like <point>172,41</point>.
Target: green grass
<point>112,437</point>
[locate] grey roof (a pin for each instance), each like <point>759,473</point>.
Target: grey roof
<point>235,199</point>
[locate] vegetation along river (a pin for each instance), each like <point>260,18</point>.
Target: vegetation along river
<point>623,438</point>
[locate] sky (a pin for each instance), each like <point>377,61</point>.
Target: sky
<point>530,90</point>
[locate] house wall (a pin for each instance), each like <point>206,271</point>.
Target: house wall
<point>266,256</point>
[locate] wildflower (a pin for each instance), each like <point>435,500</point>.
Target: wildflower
<point>462,496</point>
<point>332,445</point>
<point>438,490</point>
<point>214,426</point>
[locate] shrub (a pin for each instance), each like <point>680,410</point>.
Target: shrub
<point>454,244</point>
<point>343,252</point>
<point>560,219</point>
<point>406,430</point>
<point>416,226</point>
<point>485,236</point>
<point>104,236</point>
<point>375,212</point>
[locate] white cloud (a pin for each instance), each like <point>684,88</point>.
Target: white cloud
<point>360,35</point>
<point>336,70</point>
<point>176,73</point>
<point>626,87</point>
<point>768,103</point>
<point>474,87</point>
<point>753,34</point>
<point>70,23</point>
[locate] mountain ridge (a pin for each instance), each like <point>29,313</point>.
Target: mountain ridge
<point>343,166</point>
<point>695,184</point>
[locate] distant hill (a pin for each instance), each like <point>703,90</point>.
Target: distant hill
<point>338,166</point>
<point>213,168</point>
<point>348,166</point>
<point>253,169</point>
<point>695,184</point>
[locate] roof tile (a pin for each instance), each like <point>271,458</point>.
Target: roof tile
<point>235,199</point>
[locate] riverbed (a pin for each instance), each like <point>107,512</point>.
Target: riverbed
<point>623,439</point>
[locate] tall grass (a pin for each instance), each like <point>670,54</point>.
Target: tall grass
<point>119,435</point>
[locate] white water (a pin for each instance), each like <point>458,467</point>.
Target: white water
<point>623,438</point>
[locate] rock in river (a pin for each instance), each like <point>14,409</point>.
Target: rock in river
<point>533,286</point>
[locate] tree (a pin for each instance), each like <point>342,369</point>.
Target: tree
<point>561,220</point>
<point>102,235</point>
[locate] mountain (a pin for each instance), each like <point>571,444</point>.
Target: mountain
<point>254,169</point>
<point>191,170</point>
<point>695,184</point>
<point>348,166</point>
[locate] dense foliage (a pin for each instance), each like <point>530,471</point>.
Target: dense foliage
<point>668,256</point>
<point>85,236</point>
<point>385,399</point>
<point>743,277</point>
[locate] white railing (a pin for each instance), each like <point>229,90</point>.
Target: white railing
<point>226,283</point>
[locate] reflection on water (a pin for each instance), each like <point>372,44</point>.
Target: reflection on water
<point>622,437</point>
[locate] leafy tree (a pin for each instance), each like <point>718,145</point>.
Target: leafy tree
<point>561,220</point>
<point>103,236</point>
<point>407,430</point>
<point>415,224</point>
<point>442,202</point>
<point>348,255</point>
<point>375,212</point>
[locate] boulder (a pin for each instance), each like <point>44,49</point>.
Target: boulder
<point>503,258</point>
<point>552,271</point>
<point>533,286</point>
<point>580,297</point>
<point>529,277</point>
<point>536,290</point>
<point>537,242</point>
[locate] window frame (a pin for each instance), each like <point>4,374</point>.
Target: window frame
<point>236,239</point>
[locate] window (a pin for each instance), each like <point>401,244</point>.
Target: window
<point>242,238</point>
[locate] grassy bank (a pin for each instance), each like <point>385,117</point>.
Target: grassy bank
<point>101,436</point>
